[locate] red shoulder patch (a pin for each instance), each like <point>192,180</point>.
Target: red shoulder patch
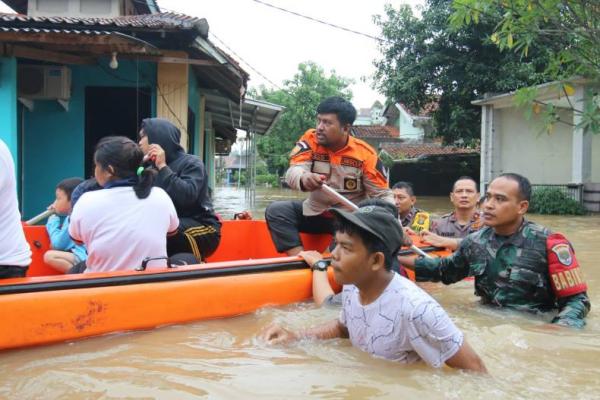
<point>565,275</point>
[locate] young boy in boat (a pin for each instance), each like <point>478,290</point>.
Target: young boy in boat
<point>383,313</point>
<point>65,253</point>
<point>516,263</point>
<point>129,219</point>
<point>15,254</point>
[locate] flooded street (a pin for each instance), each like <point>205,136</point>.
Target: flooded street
<point>527,358</point>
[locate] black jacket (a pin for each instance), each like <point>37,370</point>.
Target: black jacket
<point>184,178</point>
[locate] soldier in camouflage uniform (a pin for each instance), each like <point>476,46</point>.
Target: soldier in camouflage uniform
<point>516,263</point>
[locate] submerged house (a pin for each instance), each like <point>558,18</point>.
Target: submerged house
<point>74,71</point>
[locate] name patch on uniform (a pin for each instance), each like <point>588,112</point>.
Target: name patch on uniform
<point>320,157</point>
<point>351,162</point>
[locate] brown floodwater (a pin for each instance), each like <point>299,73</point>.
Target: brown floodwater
<point>526,357</point>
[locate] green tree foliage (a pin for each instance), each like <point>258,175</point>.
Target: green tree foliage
<point>424,59</point>
<point>300,97</point>
<point>570,27</point>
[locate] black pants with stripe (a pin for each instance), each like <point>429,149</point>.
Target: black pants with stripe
<point>193,237</point>
<point>12,271</point>
<point>286,220</point>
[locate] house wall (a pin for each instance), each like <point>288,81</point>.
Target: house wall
<point>596,158</point>
<point>209,143</point>
<point>8,99</point>
<point>407,130</point>
<point>74,8</point>
<point>194,105</point>
<point>543,158</point>
<point>53,138</point>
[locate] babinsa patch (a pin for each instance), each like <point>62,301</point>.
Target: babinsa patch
<point>563,252</point>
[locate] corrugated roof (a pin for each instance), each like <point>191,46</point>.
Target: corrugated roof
<point>375,131</point>
<point>154,21</point>
<point>400,151</point>
<point>45,30</point>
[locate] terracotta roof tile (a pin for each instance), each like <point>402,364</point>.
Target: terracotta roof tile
<point>375,131</point>
<point>400,151</point>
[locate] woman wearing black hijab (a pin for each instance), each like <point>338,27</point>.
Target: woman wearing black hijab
<point>183,176</point>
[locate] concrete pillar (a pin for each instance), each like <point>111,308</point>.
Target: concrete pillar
<point>581,170</point>
<point>487,147</point>
<point>8,100</point>
<point>172,95</point>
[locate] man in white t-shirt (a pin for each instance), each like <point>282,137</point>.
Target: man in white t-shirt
<point>383,313</point>
<point>15,254</point>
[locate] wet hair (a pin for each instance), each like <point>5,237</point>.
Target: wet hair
<point>345,111</point>
<point>465,178</point>
<point>371,242</point>
<point>406,186</point>
<point>524,184</point>
<point>380,203</point>
<point>125,157</point>
<point>68,185</point>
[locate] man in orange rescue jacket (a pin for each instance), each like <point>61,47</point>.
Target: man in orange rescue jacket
<point>325,155</point>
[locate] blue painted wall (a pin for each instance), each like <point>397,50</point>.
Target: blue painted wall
<point>8,104</point>
<point>54,138</point>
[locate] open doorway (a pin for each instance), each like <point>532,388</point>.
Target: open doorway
<point>113,111</point>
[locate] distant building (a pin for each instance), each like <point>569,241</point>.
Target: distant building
<point>412,126</point>
<point>370,116</point>
<point>431,167</point>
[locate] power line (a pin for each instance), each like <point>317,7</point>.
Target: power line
<point>321,21</point>
<point>246,62</point>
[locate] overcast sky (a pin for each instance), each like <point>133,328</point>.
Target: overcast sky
<point>274,42</point>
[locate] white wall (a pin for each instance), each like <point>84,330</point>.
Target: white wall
<point>543,158</point>
<point>74,8</point>
<point>596,158</point>
<point>407,130</point>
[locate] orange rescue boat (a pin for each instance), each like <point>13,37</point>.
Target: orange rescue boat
<point>244,274</point>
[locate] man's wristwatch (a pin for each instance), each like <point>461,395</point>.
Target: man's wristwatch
<point>320,265</point>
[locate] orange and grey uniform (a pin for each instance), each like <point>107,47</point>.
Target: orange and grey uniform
<point>353,171</point>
